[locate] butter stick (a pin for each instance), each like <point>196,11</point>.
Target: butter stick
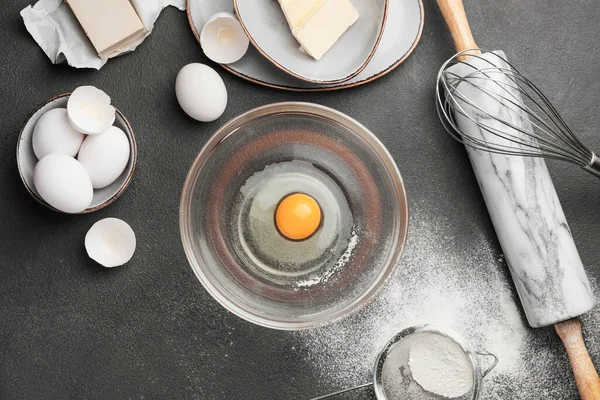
<point>296,11</point>
<point>324,26</point>
<point>111,25</point>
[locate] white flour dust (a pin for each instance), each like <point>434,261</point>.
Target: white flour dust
<point>468,290</point>
<point>344,258</point>
<point>440,365</point>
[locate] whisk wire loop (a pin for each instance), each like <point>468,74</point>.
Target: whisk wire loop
<point>505,111</point>
<point>542,141</point>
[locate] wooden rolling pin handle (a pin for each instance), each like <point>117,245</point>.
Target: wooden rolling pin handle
<point>453,12</point>
<point>584,371</point>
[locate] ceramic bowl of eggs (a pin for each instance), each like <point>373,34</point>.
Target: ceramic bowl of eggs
<point>76,153</point>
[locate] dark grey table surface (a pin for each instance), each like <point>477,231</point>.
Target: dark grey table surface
<point>71,329</point>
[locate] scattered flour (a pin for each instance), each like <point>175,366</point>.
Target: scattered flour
<point>468,290</point>
<point>440,365</point>
<point>325,276</point>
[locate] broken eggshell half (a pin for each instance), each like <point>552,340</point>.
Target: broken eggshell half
<point>223,40</point>
<point>89,110</point>
<point>110,242</point>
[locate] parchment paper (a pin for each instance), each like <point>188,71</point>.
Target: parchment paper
<point>57,31</point>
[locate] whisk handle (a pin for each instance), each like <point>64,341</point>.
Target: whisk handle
<point>594,166</point>
<point>456,19</point>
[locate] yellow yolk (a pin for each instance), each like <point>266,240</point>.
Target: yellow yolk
<point>298,216</point>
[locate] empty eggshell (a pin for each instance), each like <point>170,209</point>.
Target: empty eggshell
<point>201,92</point>
<point>53,133</point>
<point>105,156</point>
<point>63,183</point>
<point>89,110</point>
<point>223,40</point>
<point>110,242</point>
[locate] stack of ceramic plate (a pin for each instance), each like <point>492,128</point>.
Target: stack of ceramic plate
<point>382,38</point>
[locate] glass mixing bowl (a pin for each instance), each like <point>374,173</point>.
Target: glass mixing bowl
<point>234,187</point>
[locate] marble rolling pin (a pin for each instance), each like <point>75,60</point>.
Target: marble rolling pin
<point>528,219</point>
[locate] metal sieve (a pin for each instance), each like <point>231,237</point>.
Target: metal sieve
<point>397,350</point>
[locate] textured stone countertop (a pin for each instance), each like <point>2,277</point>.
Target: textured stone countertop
<point>71,329</point>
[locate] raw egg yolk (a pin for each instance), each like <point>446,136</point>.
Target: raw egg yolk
<point>298,216</point>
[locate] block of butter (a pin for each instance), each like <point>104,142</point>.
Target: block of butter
<point>111,25</point>
<point>296,11</point>
<point>325,24</point>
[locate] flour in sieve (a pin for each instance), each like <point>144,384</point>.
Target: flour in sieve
<point>427,365</point>
<point>469,291</point>
<point>440,365</point>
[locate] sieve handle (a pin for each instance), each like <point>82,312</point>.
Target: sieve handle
<point>491,367</point>
<point>342,391</point>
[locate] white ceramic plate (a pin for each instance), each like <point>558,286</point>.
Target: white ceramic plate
<point>401,34</point>
<point>266,27</point>
<point>27,160</point>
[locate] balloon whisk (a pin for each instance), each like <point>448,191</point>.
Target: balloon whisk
<point>486,103</point>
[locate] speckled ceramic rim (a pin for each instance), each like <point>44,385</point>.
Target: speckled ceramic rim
<point>304,78</point>
<point>307,109</point>
<point>132,144</point>
<point>318,89</point>
<point>378,367</point>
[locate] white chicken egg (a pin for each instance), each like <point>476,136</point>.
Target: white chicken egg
<point>105,156</point>
<point>63,183</point>
<point>110,242</point>
<point>53,133</point>
<point>223,40</point>
<point>201,92</point>
<point>89,110</point>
